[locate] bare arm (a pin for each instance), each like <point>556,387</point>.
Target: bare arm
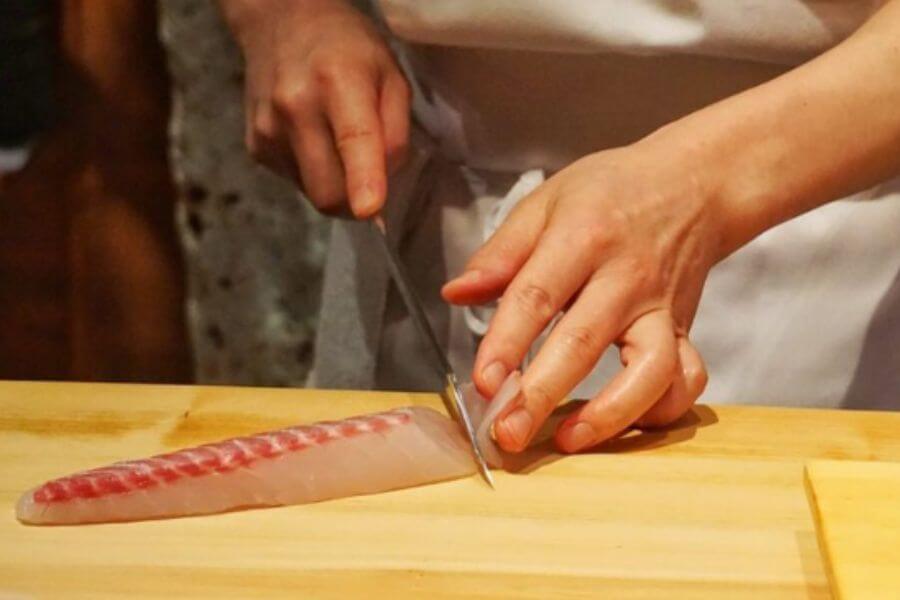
<point>827,129</point>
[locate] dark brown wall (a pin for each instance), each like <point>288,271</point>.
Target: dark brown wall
<point>91,284</point>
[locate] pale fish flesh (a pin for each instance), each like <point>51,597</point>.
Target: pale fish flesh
<point>372,453</point>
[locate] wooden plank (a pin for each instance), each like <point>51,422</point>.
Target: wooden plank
<point>714,507</point>
<point>857,515</point>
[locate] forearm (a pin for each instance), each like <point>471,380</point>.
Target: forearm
<point>829,128</point>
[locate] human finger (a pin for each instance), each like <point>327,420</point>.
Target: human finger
<point>352,107</point>
<point>651,361</point>
<point>395,111</point>
<point>266,143</point>
<point>570,352</point>
<point>558,267</point>
<point>493,266</point>
<point>689,383</point>
<point>321,172</point>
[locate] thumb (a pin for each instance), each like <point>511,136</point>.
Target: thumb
<point>496,263</point>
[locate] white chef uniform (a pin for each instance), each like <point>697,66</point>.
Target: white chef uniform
<point>808,314</point>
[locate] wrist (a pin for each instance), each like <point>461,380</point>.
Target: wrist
<point>749,163</point>
<point>245,18</point>
<point>712,187</point>
<point>820,132</point>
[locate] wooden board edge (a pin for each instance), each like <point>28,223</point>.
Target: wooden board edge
<point>819,523</point>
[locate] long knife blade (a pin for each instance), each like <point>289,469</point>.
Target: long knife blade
<point>452,396</point>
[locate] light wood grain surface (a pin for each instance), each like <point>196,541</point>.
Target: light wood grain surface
<point>713,508</point>
<point>856,507</point>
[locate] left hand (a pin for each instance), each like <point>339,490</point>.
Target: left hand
<point>622,241</point>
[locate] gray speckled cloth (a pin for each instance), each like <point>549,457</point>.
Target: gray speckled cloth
<point>253,248</point>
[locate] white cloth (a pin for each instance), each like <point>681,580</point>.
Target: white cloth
<point>808,314</point>
<point>782,31</point>
<point>478,317</point>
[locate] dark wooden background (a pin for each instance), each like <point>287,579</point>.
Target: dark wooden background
<point>91,281</point>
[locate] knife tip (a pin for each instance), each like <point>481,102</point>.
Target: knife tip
<point>488,477</point>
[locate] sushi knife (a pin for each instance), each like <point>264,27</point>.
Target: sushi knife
<point>452,395</point>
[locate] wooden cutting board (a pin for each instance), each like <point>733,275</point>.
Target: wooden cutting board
<point>713,508</point>
<point>857,514</point>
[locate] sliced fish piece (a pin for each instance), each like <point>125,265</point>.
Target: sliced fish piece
<point>362,455</point>
<point>484,414</point>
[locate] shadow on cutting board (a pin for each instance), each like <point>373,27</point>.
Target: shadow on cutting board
<point>544,452</point>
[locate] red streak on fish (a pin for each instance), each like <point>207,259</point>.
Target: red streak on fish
<point>221,457</point>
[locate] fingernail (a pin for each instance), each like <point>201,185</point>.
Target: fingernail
<point>366,200</point>
<point>467,277</point>
<point>517,426</point>
<point>580,436</point>
<point>494,375</point>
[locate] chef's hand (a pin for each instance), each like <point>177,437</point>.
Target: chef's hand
<point>621,241</point>
<point>325,102</point>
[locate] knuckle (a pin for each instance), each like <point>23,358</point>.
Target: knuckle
<point>326,64</point>
<point>594,238</point>
<point>626,354</point>
<point>664,363</point>
<point>696,377</point>
<point>535,301</point>
<point>618,218</point>
<point>539,397</point>
<point>643,273</point>
<point>496,256</point>
<point>292,98</point>
<point>580,341</point>
<point>352,134</point>
<point>330,69</point>
<point>264,127</point>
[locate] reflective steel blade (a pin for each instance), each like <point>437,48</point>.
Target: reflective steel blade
<point>452,395</point>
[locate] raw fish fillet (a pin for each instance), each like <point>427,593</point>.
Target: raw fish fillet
<point>362,455</point>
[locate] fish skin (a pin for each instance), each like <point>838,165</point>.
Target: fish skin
<point>367,454</point>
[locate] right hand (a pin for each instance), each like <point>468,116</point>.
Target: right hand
<point>325,102</point>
